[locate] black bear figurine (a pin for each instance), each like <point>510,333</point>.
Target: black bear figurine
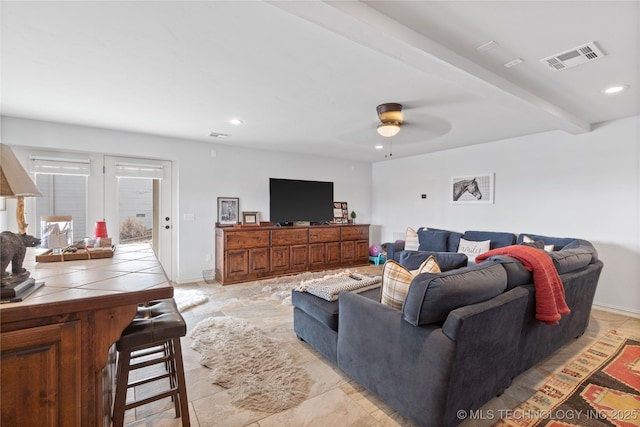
<point>13,247</point>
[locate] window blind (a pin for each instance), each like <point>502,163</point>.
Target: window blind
<point>61,166</point>
<point>132,170</point>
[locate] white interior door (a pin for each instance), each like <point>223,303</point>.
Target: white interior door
<point>138,204</point>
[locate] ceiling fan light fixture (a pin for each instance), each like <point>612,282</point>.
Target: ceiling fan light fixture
<point>390,115</point>
<point>389,129</point>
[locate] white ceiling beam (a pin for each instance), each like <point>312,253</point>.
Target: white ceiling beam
<point>362,24</point>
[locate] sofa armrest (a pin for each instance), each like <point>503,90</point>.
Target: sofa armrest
<point>487,336</point>
<point>503,303</point>
<point>394,249</point>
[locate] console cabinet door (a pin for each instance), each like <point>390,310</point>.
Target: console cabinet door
<point>41,383</point>
<point>317,254</point>
<point>259,261</point>
<point>362,250</point>
<point>333,253</point>
<point>280,258</point>
<point>299,255</point>
<point>237,263</point>
<point>348,251</point>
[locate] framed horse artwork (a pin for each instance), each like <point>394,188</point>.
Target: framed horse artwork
<point>472,189</point>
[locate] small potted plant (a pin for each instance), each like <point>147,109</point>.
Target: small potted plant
<point>353,217</point>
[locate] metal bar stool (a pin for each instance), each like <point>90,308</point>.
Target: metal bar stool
<point>152,337</point>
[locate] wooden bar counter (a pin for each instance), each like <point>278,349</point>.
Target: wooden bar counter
<point>57,345</point>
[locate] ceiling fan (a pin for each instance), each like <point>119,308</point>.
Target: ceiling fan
<point>390,115</point>
<point>421,127</point>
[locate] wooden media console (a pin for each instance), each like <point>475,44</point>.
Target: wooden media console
<point>245,254</point>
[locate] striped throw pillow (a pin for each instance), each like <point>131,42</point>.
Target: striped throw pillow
<point>411,241</point>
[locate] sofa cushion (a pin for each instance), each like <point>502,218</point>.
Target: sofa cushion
<point>498,239</point>
<point>585,246</point>
<point>411,241</point>
<point>325,312</point>
<point>472,248</point>
<point>446,260</point>
<point>452,241</point>
<point>568,260</point>
<point>517,275</point>
<point>433,240</point>
<point>562,243</point>
<point>432,296</point>
<point>557,242</point>
<point>396,280</point>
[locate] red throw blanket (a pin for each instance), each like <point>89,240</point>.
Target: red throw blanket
<point>550,302</point>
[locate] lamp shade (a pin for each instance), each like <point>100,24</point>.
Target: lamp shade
<point>388,129</point>
<point>14,179</point>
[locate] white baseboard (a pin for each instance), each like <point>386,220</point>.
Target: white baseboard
<point>617,310</point>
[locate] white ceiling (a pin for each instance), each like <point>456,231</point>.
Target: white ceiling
<point>306,76</point>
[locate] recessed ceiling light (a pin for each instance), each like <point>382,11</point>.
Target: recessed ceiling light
<point>513,62</point>
<point>379,147</point>
<point>235,122</point>
<point>615,89</point>
<point>487,46</point>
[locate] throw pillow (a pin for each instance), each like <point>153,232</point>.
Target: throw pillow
<point>430,265</point>
<point>411,242</point>
<point>432,240</point>
<point>395,284</point>
<point>548,248</point>
<point>396,280</point>
<point>472,249</point>
<point>538,244</point>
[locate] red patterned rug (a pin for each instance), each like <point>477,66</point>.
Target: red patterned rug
<point>600,387</point>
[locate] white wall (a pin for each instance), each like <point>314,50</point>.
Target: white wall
<point>555,184</point>
<point>199,178</point>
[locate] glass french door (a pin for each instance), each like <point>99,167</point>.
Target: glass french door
<point>138,205</point>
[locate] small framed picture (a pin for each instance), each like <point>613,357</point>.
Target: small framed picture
<point>475,189</point>
<point>228,210</point>
<point>251,218</point>
<point>340,213</point>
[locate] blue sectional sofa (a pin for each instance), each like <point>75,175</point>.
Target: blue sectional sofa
<point>462,335</point>
<point>449,241</point>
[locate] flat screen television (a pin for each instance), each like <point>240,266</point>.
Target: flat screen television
<point>293,200</point>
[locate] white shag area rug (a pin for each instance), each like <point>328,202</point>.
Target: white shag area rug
<point>187,298</point>
<point>262,375</point>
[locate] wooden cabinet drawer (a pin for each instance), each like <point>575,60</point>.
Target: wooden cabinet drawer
<point>289,237</point>
<point>355,232</point>
<point>320,235</point>
<point>247,239</point>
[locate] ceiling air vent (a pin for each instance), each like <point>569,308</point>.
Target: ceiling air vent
<point>573,57</point>
<point>219,135</point>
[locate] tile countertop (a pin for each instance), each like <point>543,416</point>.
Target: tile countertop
<point>133,274</point>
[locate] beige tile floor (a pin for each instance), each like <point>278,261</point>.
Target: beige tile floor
<point>334,400</point>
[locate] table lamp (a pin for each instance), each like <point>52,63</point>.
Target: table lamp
<point>15,182</point>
